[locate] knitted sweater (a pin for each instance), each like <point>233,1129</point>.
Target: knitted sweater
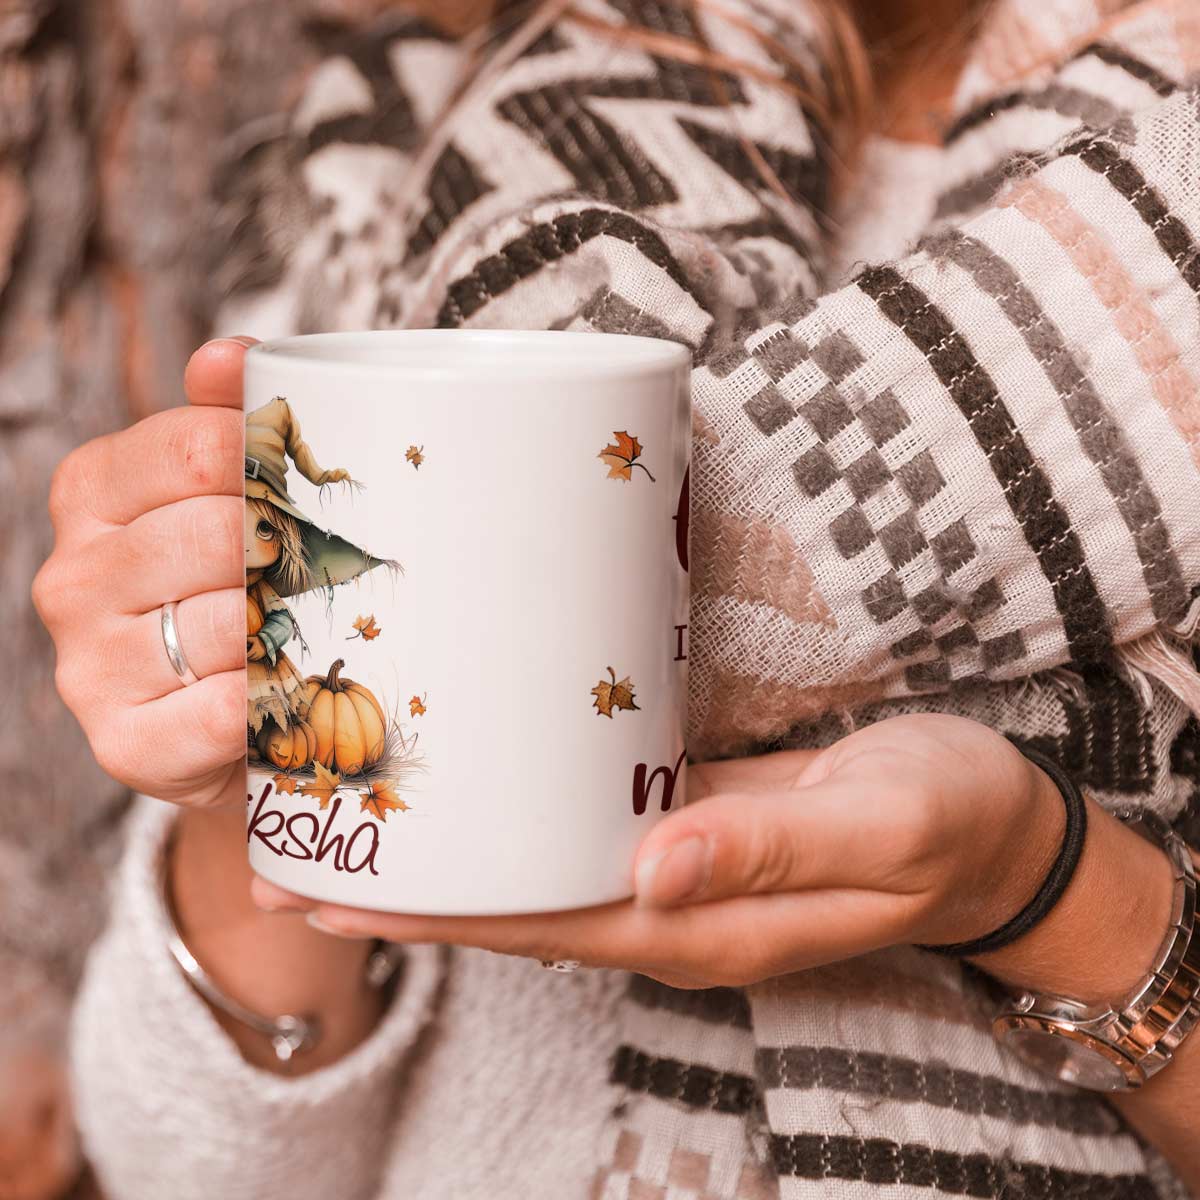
<point>962,477</point>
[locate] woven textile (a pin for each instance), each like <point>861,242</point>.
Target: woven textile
<point>964,478</point>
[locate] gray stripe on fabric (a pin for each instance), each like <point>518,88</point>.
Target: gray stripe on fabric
<point>692,1084</point>
<point>1087,107</point>
<point>1127,179</point>
<point>1027,488</point>
<point>829,1157</point>
<point>976,191</point>
<point>892,1077</point>
<point>717,1006</point>
<point>1117,57</point>
<point>1102,438</point>
<point>550,242</point>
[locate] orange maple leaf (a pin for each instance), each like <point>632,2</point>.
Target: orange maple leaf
<point>416,706</point>
<point>380,799</point>
<point>621,457</point>
<point>324,787</point>
<point>610,694</point>
<point>285,785</point>
<point>366,629</point>
<point>415,455</point>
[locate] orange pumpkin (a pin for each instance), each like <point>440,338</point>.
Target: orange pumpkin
<point>287,748</point>
<point>254,615</point>
<point>348,721</point>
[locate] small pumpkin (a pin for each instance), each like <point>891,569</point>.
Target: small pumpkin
<point>254,615</point>
<point>287,748</point>
<point>348,721</point>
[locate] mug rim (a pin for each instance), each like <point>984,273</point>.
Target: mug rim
<point>577,353</point>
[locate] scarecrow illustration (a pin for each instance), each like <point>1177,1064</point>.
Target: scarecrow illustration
<point>295,722</point>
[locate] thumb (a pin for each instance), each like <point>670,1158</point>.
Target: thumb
<point>738,844</point>
<point>775,772</point>
<point>213,376</point>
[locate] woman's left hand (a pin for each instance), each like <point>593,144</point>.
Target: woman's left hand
<point>924,828</point>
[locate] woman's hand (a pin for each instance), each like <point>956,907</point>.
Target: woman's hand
<point>917,829</point>
<point>141,517</point>
<point>151,514</point>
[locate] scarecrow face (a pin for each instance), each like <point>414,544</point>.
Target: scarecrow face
<point>262,539</point>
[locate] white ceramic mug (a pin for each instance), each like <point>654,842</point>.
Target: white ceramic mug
<point>467,614</point>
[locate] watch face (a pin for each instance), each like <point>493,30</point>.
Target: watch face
<point>1069,1060</point>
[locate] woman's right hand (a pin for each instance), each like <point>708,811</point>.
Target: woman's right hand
<point>141,517</point>
<point>151,514</point>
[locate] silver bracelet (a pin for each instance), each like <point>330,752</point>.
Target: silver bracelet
<point>289,1034</point>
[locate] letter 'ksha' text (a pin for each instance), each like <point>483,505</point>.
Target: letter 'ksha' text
<point>312,837</point>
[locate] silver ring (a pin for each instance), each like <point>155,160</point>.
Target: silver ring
<point>563,965</point>
<point>174,648</point>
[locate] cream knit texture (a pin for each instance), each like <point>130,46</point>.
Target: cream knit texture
<point>506,1095</point>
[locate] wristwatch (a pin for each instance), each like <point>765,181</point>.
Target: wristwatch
<point>1117,1048</point>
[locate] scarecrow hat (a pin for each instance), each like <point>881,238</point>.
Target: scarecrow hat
<point>272,437</point>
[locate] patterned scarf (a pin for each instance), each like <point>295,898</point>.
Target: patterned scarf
<point>965,479</point>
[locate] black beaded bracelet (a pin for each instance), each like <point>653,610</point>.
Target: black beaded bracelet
<point>1056,881</point>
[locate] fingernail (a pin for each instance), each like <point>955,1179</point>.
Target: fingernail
<point>314,919</point>
<point>241,340</point>
<point>678,874</point>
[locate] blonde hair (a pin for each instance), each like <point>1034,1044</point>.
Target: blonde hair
<point>290,572</point>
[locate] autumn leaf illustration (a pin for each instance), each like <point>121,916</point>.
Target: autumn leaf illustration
<point>324,787</point>
<point>621,457</point>
<point>381,799</point>
<point>285,785</point>
<point>365,628</point>
<point>415,455</point>
<point>611,694</point>
<point>416,706</point>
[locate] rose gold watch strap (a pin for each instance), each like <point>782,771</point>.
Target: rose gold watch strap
<point>1148,1013</point>
<point>1174,1015</point>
